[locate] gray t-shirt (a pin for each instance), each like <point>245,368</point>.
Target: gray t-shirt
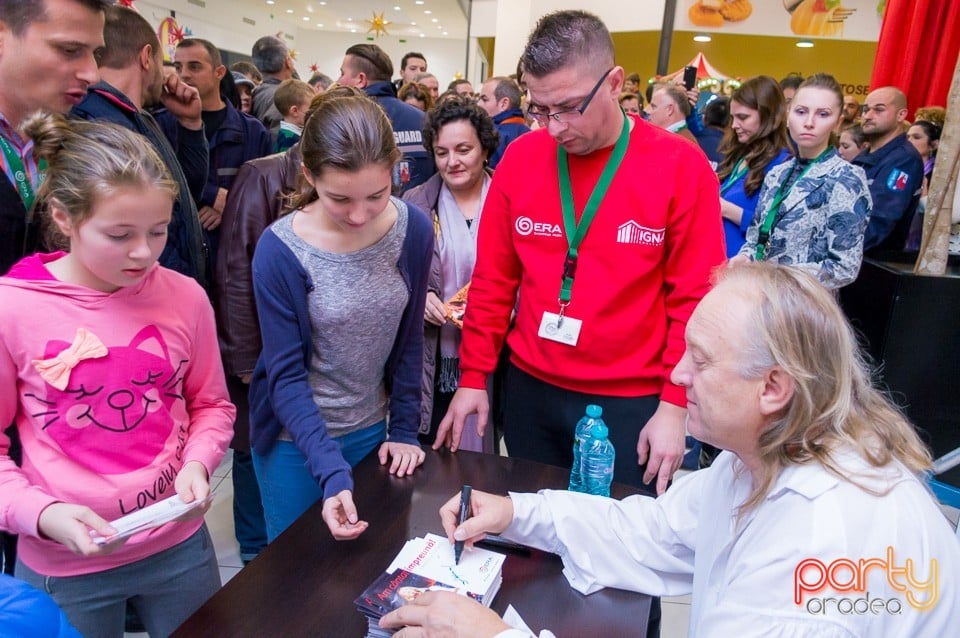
<point>355,309</point>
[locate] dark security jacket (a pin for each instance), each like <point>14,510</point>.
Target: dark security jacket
<point>417,164</point>
<point>895,175</point>
<point>185,251</point>
<point>239,139</point>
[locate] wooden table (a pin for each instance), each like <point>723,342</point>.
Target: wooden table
<point>305,582</point>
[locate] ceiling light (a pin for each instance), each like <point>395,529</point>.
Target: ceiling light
<point>427,11</point>
<point>445,33</point>
<point>353,30</point>
<point>805,44</point>
<point>306,19</point>
<point>422,36</point>
<point>414,23</point>
<point>434,20</point>
<point>289,10</point>
<point>419,2</point>
<point>320,25</point>
<point>271,2</point>
<point>702,37</point>
<point>397,8</point>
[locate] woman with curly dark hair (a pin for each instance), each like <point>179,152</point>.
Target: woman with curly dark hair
<point>462,137</point>
<point>754,143</point>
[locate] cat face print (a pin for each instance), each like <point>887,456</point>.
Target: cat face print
<point>108,408</point>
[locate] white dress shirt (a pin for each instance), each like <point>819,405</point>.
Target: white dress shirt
<point>741,572</point>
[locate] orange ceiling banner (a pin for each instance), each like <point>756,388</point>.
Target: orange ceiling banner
<point>834,19</point>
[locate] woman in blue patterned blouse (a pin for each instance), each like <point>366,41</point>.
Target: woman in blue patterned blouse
<point>813,209</point>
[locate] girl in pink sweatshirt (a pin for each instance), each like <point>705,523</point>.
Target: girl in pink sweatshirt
<point>109,370</point>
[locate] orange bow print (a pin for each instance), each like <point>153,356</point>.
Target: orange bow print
<point>56,371</point>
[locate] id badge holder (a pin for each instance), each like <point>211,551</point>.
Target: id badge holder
<point>557,327</point>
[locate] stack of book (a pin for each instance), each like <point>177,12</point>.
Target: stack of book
<point>427,564</point>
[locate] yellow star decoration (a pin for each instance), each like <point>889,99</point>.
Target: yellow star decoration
<point>378,25</point>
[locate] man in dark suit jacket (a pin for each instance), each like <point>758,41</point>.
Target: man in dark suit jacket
<point>132,75</point>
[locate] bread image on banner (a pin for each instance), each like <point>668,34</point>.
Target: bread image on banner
<point>457,306</point>
<point>817,17</point>
<point>713,13</point>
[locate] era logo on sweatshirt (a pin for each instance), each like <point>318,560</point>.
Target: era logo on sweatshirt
<point>633,233</point>
<point>526,226</point>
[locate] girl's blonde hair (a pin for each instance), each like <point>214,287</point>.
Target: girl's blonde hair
<point>89,160</point>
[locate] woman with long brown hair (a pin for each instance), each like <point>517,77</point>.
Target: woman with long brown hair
<point>340,284</point>
<point>755,142</point>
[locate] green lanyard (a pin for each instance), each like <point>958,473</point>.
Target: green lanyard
<point>573,231</point>
<point>768,221</point>
<point>20,177</point>
<point>738,171</point>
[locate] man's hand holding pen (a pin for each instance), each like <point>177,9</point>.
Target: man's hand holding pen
<point>489,515</point>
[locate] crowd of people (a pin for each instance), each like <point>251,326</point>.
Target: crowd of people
<point>197,257</point>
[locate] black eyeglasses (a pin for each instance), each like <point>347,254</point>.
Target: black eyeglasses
<point>568,115</point>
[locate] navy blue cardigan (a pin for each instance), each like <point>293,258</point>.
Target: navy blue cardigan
<point>280,393</point>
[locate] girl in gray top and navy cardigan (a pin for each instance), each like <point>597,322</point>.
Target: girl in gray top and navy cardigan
<point>340,285</point>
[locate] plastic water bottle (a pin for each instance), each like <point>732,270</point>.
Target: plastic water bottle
<point>591,418</point>
<point>596,461</point>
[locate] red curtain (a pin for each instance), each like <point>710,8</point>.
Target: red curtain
<point>918,50</point>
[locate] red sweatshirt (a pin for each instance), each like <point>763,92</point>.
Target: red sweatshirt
<point>643,266</point>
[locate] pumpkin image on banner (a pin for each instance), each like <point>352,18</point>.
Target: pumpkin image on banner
<point>713,13</point>
<point>817,17</point>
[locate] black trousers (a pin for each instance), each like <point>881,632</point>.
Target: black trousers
<point>539,420</point>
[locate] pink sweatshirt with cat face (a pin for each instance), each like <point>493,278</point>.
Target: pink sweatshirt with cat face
<point>112,393</point>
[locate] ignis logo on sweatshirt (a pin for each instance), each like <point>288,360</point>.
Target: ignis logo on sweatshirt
<point>526,226</point>
<point>633,233</point>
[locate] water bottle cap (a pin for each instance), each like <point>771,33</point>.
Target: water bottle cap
<point>594,411</point>
<point>599,431</point>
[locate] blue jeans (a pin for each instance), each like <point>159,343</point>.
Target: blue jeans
<point>248,523</point>
<point>287,488</point>
<point>165,589</point>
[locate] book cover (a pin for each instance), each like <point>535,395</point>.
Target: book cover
<point>397,588</point>
<point>432,557</point>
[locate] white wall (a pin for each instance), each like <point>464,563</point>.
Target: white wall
<point>445,57</point>
<point>227,30</point>
<point>618,15</point>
